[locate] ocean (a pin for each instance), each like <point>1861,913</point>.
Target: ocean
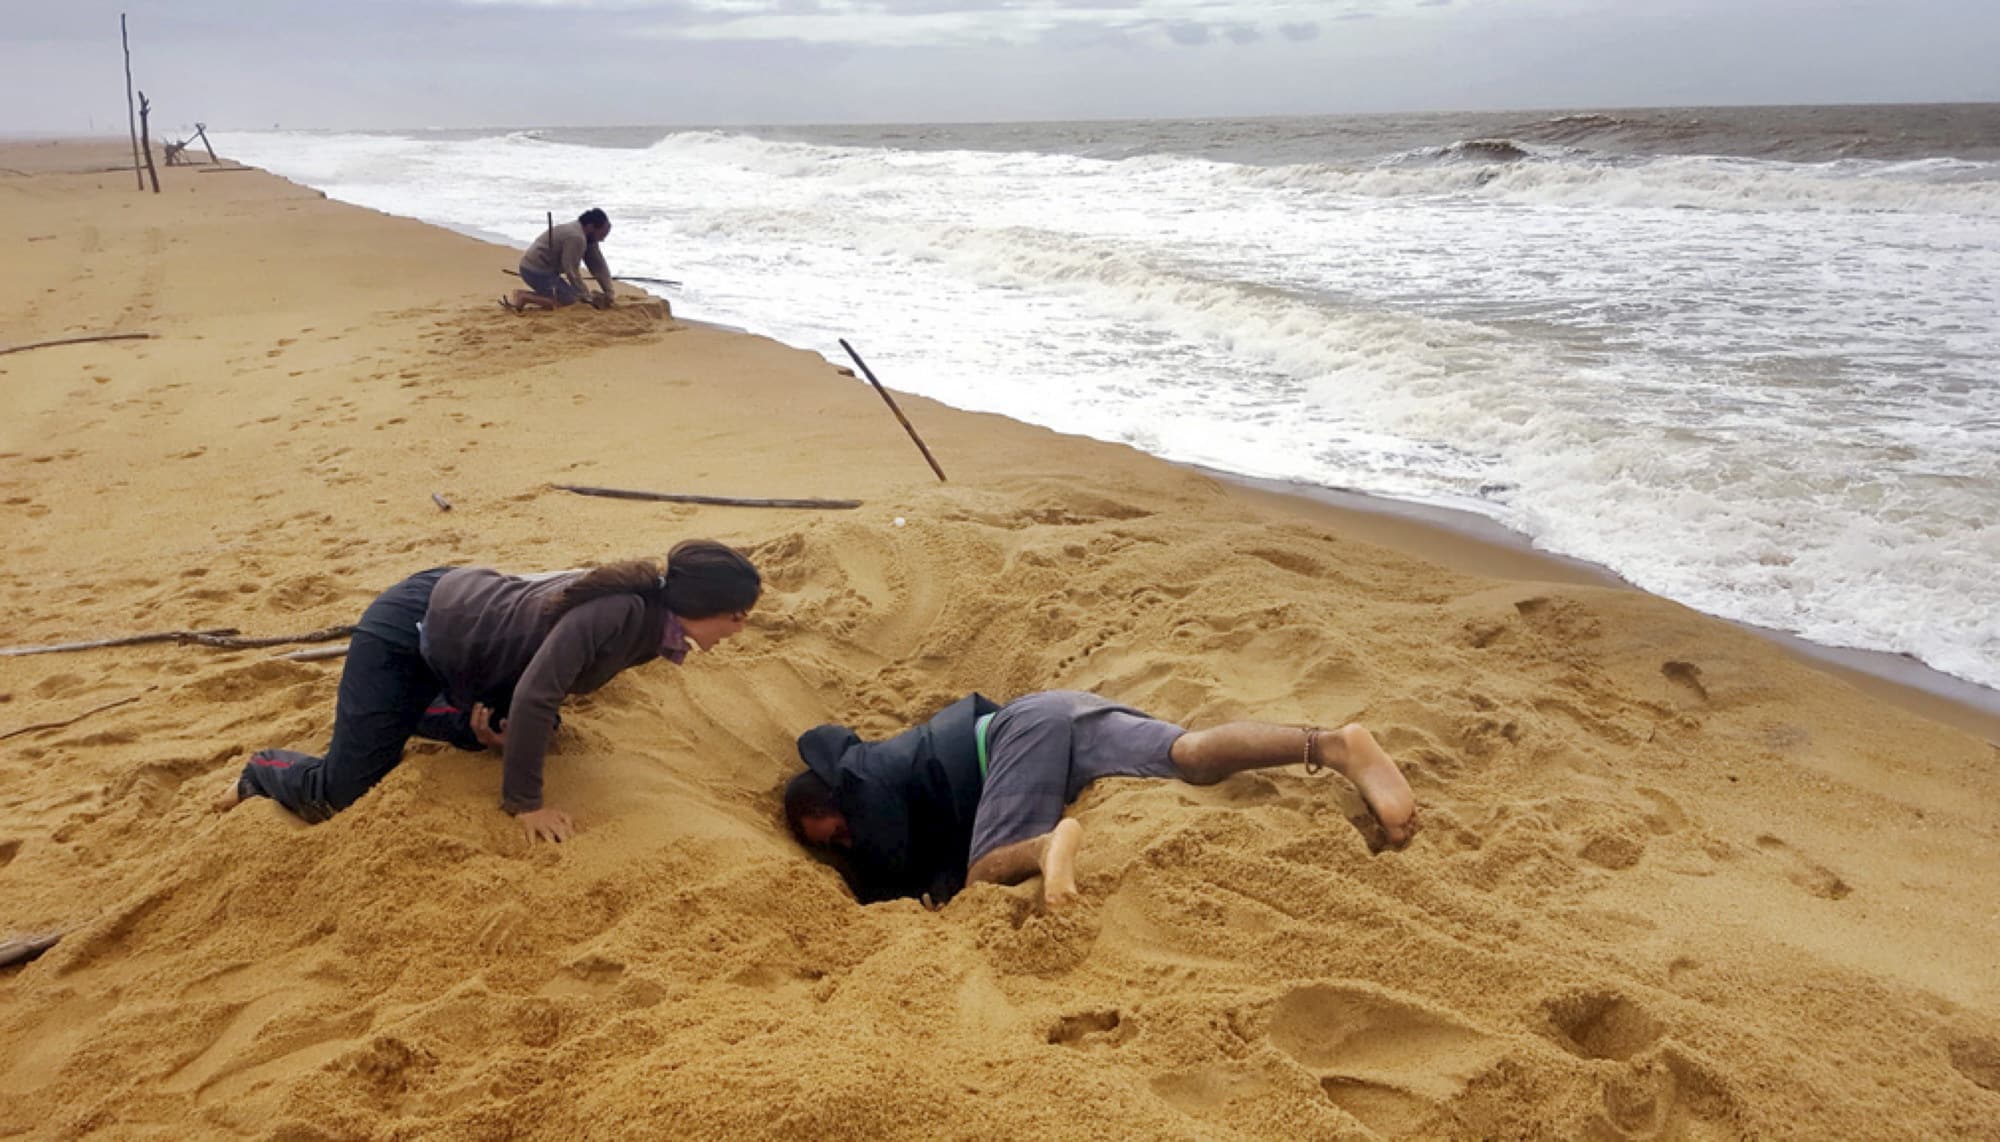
<point>1743,357</point>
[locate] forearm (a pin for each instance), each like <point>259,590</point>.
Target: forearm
<point>528,735</point>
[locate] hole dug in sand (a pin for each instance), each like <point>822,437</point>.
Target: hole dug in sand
<point>1601,1025</point>
<point>1390,1062</point>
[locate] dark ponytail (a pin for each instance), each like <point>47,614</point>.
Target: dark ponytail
<point>702,578</point>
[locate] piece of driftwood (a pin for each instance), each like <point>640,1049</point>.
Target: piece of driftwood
<point>720,501</point>
<point>201,130</point>
<point>223,638</point>
<point>233,641</point>
<point>444,505</point>
<point>315,654</point>
<point>131,116</point>
<point>127,640</point>
<point>22,948</point>
<point>69,721</point>
<point>224,170</point>
<point>4,350</point>
<point>891,401</point>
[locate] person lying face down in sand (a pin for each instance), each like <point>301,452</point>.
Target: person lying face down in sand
<point>977,793</point>
<point>503,647</point>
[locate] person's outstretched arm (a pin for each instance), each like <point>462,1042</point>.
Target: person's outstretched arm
<point>571,646</point>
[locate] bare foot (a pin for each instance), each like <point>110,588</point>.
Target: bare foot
<point>1059,864</point>
<point>1364,762</point>
<point>229,798</point>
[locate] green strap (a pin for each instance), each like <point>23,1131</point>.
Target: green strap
<point>979,738</point>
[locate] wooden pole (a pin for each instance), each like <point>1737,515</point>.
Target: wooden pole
<point>723,501</point>
<point>202,130</point>
<point>131,116</point>
<point>891,401</point>
<point>146,142</point>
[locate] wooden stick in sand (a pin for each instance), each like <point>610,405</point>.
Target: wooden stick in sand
<point>25,947</point>
<point>69,721</point>
<point>201,130</point>
<point>146,141</point>
<point>723,501</point>
<point>891,402</point>
<point>74,341</point>
<point>224,638</point>
<point>131,116</point>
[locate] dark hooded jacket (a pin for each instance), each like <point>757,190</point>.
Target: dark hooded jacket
<point>909,801</point>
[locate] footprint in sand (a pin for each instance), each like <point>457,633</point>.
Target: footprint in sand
<point>1685,678</point>
<point>1978,1059</point>
<point>1808,874</point>
<point>1392,1063</point>
<point>1105,1028</point>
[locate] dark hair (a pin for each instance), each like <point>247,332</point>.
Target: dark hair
<point>702,578</point>
<point>594,217</point>
<point>808,796</point>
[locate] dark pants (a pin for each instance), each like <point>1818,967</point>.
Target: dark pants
<point>386,688</point>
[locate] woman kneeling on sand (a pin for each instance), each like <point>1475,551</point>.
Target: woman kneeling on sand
<point>510,649</point>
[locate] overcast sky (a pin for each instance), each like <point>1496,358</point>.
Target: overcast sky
<point>410,63</point>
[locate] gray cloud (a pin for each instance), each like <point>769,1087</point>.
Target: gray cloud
<point>407,63</point>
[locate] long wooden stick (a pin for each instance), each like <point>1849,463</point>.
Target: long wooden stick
<point>224,638</point>
<point>74,341</point>
<point>69,721</point>
<point>619,278</point>
<point>146,141</point>
<point>724,501</point>
<point>128,640</point>
<point>891,401</point>
<point>202,130</point>
<point>131,116</point>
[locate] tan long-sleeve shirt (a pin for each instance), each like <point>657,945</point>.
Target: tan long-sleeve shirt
<point>560,249</point>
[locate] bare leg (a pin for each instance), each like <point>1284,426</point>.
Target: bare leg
<point>1205,757</point>
<point>1052,856</point>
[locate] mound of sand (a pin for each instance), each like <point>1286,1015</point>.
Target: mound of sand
<point>1673,883</point>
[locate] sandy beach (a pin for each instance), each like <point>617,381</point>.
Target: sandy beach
<point>1675,881</point>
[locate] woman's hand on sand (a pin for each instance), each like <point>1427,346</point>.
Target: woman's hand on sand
<point>493,737</point>
<point>547,824</point>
